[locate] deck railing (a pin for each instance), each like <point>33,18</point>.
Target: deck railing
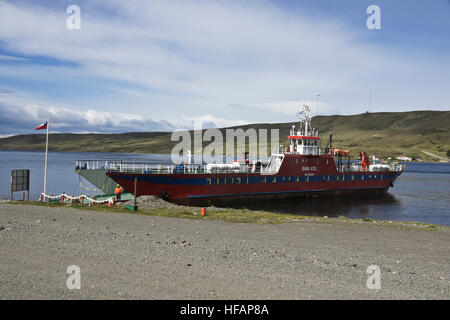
<point>236,167</point>
<point>151,168</point>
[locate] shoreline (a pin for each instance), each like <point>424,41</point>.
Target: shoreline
<point>236,215</point>
<point>141,153</point>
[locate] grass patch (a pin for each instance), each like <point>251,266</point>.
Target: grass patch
<point>242,216</point>
<point>228,215</point>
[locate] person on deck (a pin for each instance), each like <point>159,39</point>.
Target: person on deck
<point>118,190</point>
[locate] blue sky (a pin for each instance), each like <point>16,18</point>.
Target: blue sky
<point>160,65</point>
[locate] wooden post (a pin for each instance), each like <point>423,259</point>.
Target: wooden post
<point>135,191</point>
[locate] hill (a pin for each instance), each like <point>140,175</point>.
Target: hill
<point>383,134</point>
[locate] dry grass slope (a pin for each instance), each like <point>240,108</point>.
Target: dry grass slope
<point>383,134</point>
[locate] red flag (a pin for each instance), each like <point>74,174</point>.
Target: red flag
<point>42,126</point>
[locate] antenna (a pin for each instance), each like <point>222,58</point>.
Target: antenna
<point>317,96</point>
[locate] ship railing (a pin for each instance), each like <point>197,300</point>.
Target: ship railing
<point>152,168</point>
<point>94,164</point>
<point>357,167</point>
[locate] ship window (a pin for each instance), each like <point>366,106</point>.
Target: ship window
<point>284,179</point>
<point>375,176</point>
<point>362,177</point>
<point>208,181</point>
<point>328,178</point>
<point>274,179</point>
<point>297,179</point>
<point>326,161</point>
<point>218,181</point>
<point>238,180</point>
<point>264,179</point>
<point>296,161</point>
<point>353,177</point>
<point>317,161</point>
<point>307,179</point>
<point>231,181</point>
<point>381,177</point>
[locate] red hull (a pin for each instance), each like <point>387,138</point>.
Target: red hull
<point>298,176</point>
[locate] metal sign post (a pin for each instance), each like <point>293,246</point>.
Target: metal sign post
<point>20,181</point>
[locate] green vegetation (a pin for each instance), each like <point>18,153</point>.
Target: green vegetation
<point>382,134</point>
<point>241,216</point>
<point>229,215</point>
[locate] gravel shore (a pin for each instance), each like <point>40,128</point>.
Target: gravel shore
<point>128,256</point>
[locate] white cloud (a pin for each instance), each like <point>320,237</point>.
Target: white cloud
<point>248,61</point>
<point>23,119</point>
<point>12,58</point>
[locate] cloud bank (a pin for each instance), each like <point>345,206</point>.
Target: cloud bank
<point>21,120</point>
<point>157,64</point>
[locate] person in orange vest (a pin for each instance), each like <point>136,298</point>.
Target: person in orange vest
<point>118,190</point>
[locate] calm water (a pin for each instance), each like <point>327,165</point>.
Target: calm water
<point>421,193</point>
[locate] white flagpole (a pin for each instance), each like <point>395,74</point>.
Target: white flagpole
<point>46,157</point>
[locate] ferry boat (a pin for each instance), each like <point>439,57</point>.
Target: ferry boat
<point>301,170</point>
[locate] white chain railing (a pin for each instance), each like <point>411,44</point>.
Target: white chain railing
<point>64,196</point>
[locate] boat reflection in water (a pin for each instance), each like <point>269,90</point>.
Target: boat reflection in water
<point>363,206</point>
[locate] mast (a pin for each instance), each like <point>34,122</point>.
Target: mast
<point>46,157</point>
